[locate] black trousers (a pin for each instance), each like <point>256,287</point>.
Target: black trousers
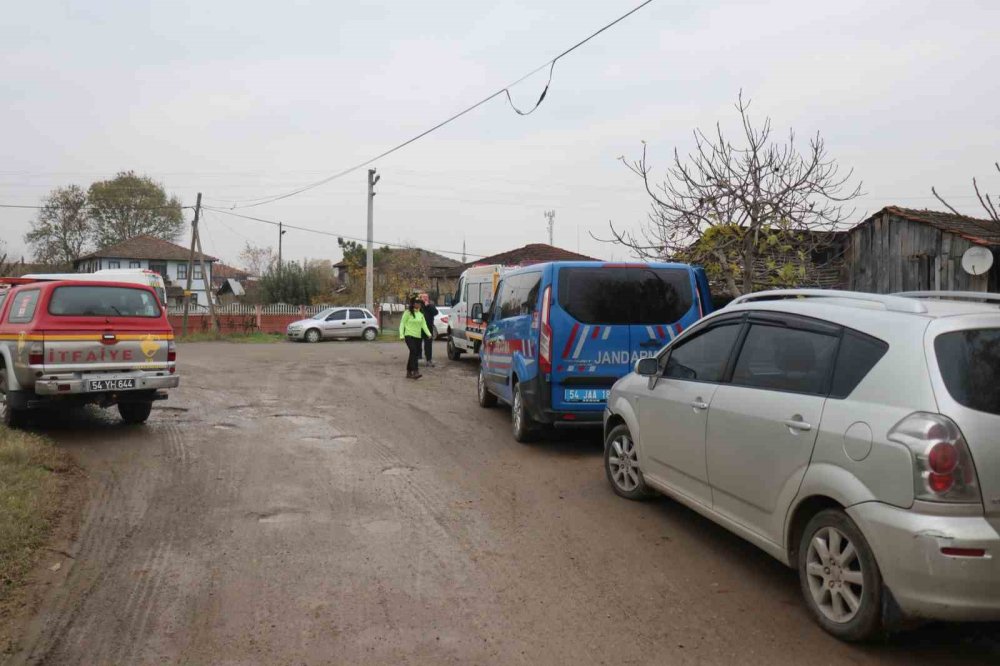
<point>413,345</point>
<point>428,348</point>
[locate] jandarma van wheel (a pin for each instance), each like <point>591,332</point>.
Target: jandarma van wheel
<point>486,399</point>
<point>525,428</point>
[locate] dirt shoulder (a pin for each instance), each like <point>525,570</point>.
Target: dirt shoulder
<point>37,485</point>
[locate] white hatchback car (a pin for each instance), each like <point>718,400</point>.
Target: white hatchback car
<point>853,436</point>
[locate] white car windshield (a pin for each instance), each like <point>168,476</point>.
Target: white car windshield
<point>323,314</point>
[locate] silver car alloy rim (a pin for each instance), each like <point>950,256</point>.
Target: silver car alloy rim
<point>833,571</point>
<point>517,409</point>
<point>624,463</point>
<point>482,388</point>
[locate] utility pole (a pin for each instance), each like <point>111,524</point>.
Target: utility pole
<point>464,261</point>
<point>370,254</point>
<point>281,232</point>
<point>206,279</point>
<point>551,215</point>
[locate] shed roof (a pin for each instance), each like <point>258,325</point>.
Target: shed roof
<point>973,229</point>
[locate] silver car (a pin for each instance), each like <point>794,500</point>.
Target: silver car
<point>335,323</point>
<point>855,437</point>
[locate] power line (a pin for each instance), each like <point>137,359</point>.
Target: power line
<point>332,234</point>
<point>130,207</point>
<point>251,203</point>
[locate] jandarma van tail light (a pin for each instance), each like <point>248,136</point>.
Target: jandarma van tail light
<point>36,354</point>
<point>545,334</point>
<point>942,465</point>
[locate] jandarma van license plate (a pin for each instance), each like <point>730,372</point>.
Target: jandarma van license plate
<point>585,395</point>
<point>112,384</point>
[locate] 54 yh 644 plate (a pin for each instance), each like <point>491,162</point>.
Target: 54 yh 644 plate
<point>112,384</point>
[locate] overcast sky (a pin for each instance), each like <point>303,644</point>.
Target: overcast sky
<point>247,99</point>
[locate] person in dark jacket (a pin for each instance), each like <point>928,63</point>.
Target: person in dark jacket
<point>430,312</point>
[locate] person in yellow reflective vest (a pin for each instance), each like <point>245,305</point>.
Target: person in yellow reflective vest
<point>412,327</point>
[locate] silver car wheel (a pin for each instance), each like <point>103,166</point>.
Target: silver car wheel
<point>370,334</point>
<point>834,573</point>
<point>312,335</point>
<point>624,463</point>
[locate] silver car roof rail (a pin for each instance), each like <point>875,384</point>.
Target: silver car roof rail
<point>952,295</point>
<point>894,303</point>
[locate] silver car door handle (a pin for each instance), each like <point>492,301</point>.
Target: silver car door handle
<point>798,425</point>
<point>699,405</point>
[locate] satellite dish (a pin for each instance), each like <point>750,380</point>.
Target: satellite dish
<point>977,260</point>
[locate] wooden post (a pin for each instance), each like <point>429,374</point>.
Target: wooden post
<point>190,264</point>
<point>206,279</point>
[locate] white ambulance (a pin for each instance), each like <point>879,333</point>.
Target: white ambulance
<point>465,324</point>
<point>141,276</point>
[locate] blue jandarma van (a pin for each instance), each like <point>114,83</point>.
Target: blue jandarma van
<point>558,335</point>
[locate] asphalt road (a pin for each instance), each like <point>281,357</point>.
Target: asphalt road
<point>306,504</point>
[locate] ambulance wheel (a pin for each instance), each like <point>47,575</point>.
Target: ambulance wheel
<point>134,413</point>
<point>454,353</point>
<point>524,427</point>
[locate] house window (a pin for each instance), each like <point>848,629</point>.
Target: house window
<point>134,264</point>
<point>197,272</point>
<point>182,271</point>
<point>114,264</point>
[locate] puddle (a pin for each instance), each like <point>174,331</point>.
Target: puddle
<point>280,516</point>
<point>307,417</point>
<point>398,470</point>
<point>171,409</point>
<point>224,426</point>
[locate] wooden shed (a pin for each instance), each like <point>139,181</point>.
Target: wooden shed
<point>901,249</point>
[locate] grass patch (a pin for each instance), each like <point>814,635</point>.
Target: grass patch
<point>244,338</point>
<point>30,498</point>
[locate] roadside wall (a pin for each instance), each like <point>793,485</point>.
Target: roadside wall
<point>254,320</point>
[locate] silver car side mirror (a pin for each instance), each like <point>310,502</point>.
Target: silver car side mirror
<point>649,368</point>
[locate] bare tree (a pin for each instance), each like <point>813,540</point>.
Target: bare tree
<point>257,260</point>
<point>5,266</point>
<point>984,200</point>
<point>62,231</point>
<point>752,215</point>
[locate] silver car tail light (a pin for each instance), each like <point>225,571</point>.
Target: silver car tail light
<point>942,465</point>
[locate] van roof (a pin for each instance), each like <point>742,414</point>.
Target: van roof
<point>601,264</point>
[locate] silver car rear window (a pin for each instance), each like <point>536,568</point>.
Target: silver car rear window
<point>970,367</point>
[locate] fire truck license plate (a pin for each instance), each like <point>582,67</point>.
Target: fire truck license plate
<point>112,384</point>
